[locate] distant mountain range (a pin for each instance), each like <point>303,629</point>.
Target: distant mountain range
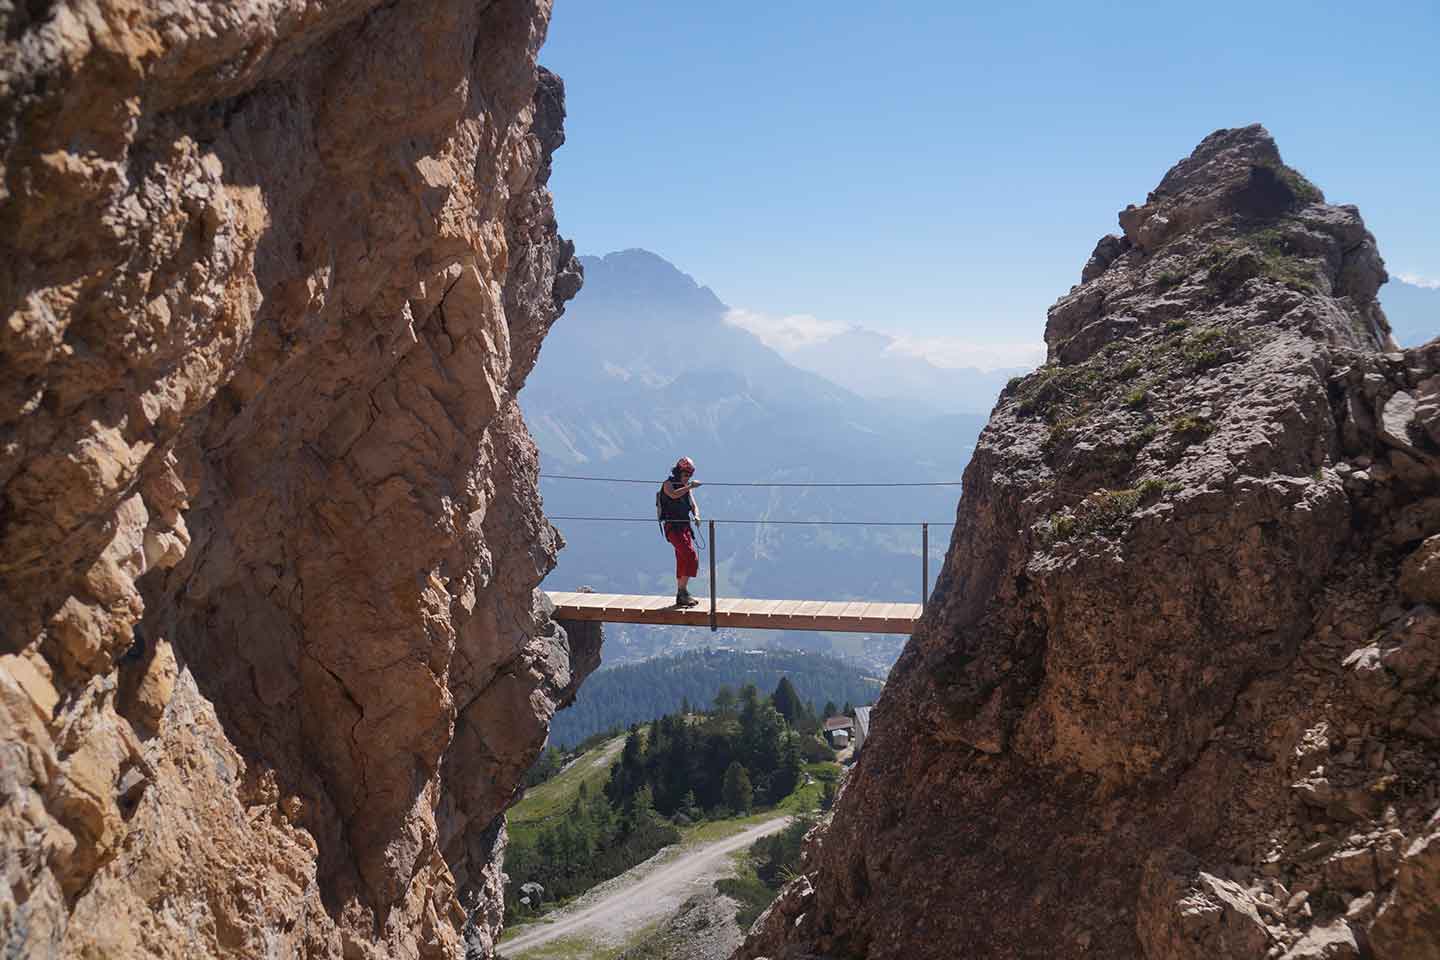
<point>870,364</point>
<point>1413,311</point>
<point>644,368</point>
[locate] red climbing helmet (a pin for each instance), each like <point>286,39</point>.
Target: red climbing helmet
<point>684,465</point>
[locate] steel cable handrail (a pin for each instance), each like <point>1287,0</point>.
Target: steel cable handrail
<point>924,526</point>
<point>776,483</point>
<point>826,523</point>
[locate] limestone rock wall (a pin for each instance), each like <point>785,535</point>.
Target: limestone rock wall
<point>1175,695</point>
<point>271,656</point>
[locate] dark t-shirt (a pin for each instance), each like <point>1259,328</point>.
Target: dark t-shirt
<point>675,511</point>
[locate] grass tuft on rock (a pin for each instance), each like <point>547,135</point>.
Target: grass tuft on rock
<point>1099,511</point>
<point>1191,428</point>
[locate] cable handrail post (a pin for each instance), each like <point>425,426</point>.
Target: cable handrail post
<point>713,628</point>
<point>924,564</point>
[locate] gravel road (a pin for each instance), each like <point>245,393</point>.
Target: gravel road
<point>617,909</point>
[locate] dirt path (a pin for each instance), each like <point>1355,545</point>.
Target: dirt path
<point>617,909</point>
<point>603,759</point>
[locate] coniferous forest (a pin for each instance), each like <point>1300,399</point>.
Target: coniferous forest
<point>614,699</point>
<point>748,752</point>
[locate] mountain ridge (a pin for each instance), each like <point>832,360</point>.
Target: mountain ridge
<point>1158,700</point>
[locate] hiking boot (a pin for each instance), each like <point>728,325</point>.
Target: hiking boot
<point>683,599</point>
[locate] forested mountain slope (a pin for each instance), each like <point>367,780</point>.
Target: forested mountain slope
<point>639,692</point>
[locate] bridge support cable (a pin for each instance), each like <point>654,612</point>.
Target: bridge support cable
<point>713,626</point>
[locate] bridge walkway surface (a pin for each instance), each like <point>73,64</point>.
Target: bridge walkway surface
<point>855,616</point>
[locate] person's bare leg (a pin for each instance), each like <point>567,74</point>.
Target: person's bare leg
<point>681,581</point>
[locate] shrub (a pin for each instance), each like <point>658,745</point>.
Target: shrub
<point>1129,370</point>
<point>1192,428</point>
<point>1137,398</point>
<point>1149,487</point>
<point>1100,510</point>
<point>1053,385</point>
<point>1056,527</point>
<point>1304,190</point>
<point>1147,433</point>
<point>814,750</point>
<point>1204,349</point>
<point>750,892</point>
<point>1263,253</point>
<point>1060,431</point>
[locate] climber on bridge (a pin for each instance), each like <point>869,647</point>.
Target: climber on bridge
<point>674,505</point>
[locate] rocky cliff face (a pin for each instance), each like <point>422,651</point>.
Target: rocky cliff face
<point>1176,693</point>
<point>271,662</point>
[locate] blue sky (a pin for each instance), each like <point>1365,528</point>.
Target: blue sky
<point>941,171</point>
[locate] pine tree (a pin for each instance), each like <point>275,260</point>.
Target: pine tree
<point>769,736</point>
<point>787,701</point>
<point>642,805</point>
<point>725,699</point>
<point>737,793</point>
<point>749,697</point>
<point>628,775</point>
<point>789,771</point>
<point>830,709</point>
<point>807,722</point>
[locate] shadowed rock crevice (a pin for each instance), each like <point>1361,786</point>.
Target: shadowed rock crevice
<point>1173,694</point>
<point>273,273</point>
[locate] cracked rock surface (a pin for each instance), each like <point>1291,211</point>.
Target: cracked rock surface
<point>1175,695</point>
<point>272,660</point>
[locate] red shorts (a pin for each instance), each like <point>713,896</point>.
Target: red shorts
<point>687,562</point>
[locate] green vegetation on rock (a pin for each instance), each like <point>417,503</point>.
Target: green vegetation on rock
<point>770,862</point>
<point>1192,428</point>
<point>1099,511</point>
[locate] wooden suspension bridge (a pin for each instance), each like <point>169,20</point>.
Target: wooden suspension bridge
<point>843,616</point>
<point>855,616</point>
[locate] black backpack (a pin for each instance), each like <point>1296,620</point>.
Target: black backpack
<point>679,510</point>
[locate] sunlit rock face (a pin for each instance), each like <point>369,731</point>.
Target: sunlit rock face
<point>1176,693</point>
<point>271,657</point>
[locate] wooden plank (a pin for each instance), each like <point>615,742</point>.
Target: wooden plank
<point>902,611</point>
<point>787,608</point>
<point>871,611</point>
<point>854,616</point>
<point>615,601</point>
<point>768,607</point>
<point>885,611</point>
<point>811,608</point>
